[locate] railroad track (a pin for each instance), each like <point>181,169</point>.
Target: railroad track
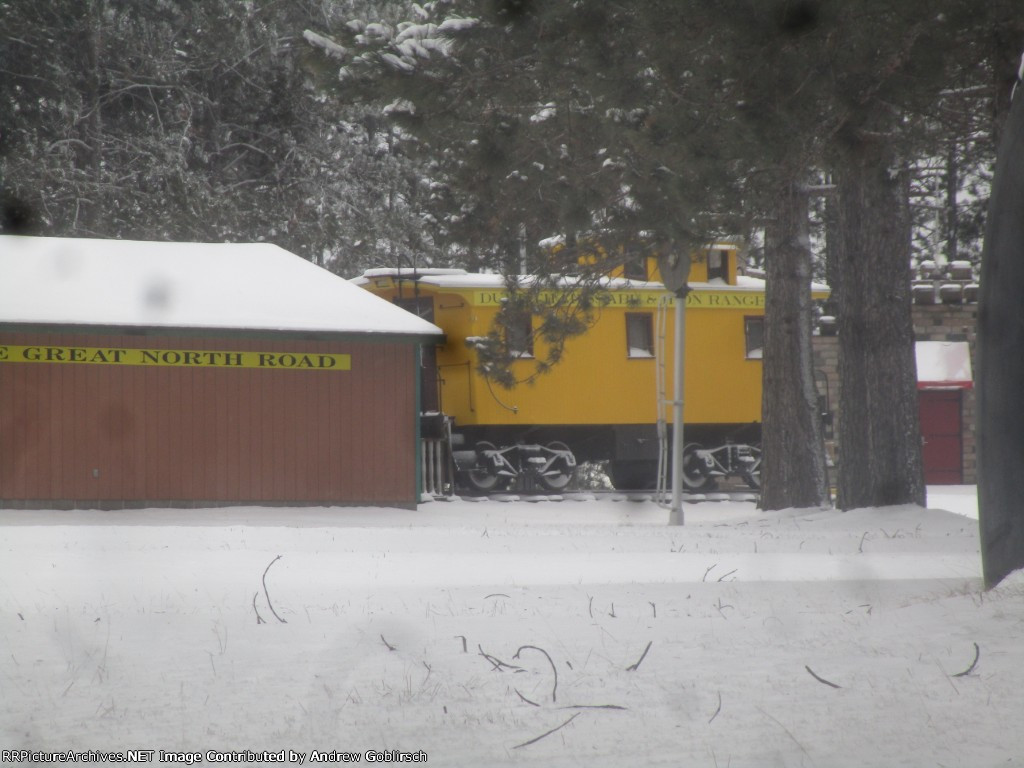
<point>607,495</point>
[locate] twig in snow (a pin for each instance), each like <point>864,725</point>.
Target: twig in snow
<point>727,575</point>
<point>784,728</point>
<point>390,647</point>
<point>898,534</point>
<point>496,662</point>
<point>463,639</point>
<point>654,609</point>
<point>267,594</point>
<point>711,568</point>
<point>259,619</point>
<point>636,666</point>
<point>821,679</point>
<point>719,709</point>
<point>554,688</point>
<point>531,703</point>
<point>590,607</point>
<point>977,655</point>
<point>594,706</point>
<point>547,733</point>
<point>860,549</point>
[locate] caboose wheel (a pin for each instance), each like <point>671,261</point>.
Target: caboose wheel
<point>564,472</point>
<point>485,478</point>
<point>696,470</point>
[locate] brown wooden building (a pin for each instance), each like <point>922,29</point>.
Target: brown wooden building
<point>136,374</point>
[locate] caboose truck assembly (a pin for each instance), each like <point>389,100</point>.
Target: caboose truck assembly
<point>605,401</point>
<point>488,468</point>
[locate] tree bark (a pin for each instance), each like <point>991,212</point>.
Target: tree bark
<point>1004,59</point>
<point>1000,350</point>
<point>793,466</point>
<point>880,437</point>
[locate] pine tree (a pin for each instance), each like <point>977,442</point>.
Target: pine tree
<point>782,102</point>
<point>193,121</point>
<point>582,122</point>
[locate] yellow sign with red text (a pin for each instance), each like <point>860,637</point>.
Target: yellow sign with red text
<point>191,358</point>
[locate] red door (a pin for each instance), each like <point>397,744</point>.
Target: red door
<point>941,436</point>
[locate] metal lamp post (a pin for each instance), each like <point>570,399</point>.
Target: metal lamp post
<point>675,271</point>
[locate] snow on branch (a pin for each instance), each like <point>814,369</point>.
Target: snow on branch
<point>325,44</point>
<point>396,62</point>
<point>400,107</point>
<point>456,24</point>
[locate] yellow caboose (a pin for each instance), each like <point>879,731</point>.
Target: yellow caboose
<point>603,401</point>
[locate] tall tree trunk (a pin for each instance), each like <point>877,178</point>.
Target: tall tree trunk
<point>1001,360</point>
<point>793,467</point>
<point>880,437</point>
<point>1005,61</point>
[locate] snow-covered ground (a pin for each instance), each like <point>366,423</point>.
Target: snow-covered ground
<point>743,638</point>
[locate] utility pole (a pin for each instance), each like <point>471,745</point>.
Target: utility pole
<point>674,266</point>
<point>679,369</point>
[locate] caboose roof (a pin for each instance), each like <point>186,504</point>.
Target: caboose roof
<point>48,281</point>
<point>460,278</point>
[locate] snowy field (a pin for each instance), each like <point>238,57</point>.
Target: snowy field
<point>573,633</point>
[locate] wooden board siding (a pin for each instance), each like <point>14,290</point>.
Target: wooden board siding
<point>123,435</point>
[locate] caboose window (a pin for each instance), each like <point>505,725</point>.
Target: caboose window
<point>519,335</point>
<point>753,328</point>
<point>718,265</point>
<point>635,269</point>
<point>639,336</point>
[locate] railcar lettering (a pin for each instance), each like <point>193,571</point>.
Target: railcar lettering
<point>286,360</point>
<point>190,358</point>
<point>722,300</point>
<point>70,355</point>
<point>702,299</point>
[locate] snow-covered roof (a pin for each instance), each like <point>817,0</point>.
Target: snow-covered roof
<point>460,278</point>
<point>229,286</point>
<point>411,272</point>
<point>943,364</point>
